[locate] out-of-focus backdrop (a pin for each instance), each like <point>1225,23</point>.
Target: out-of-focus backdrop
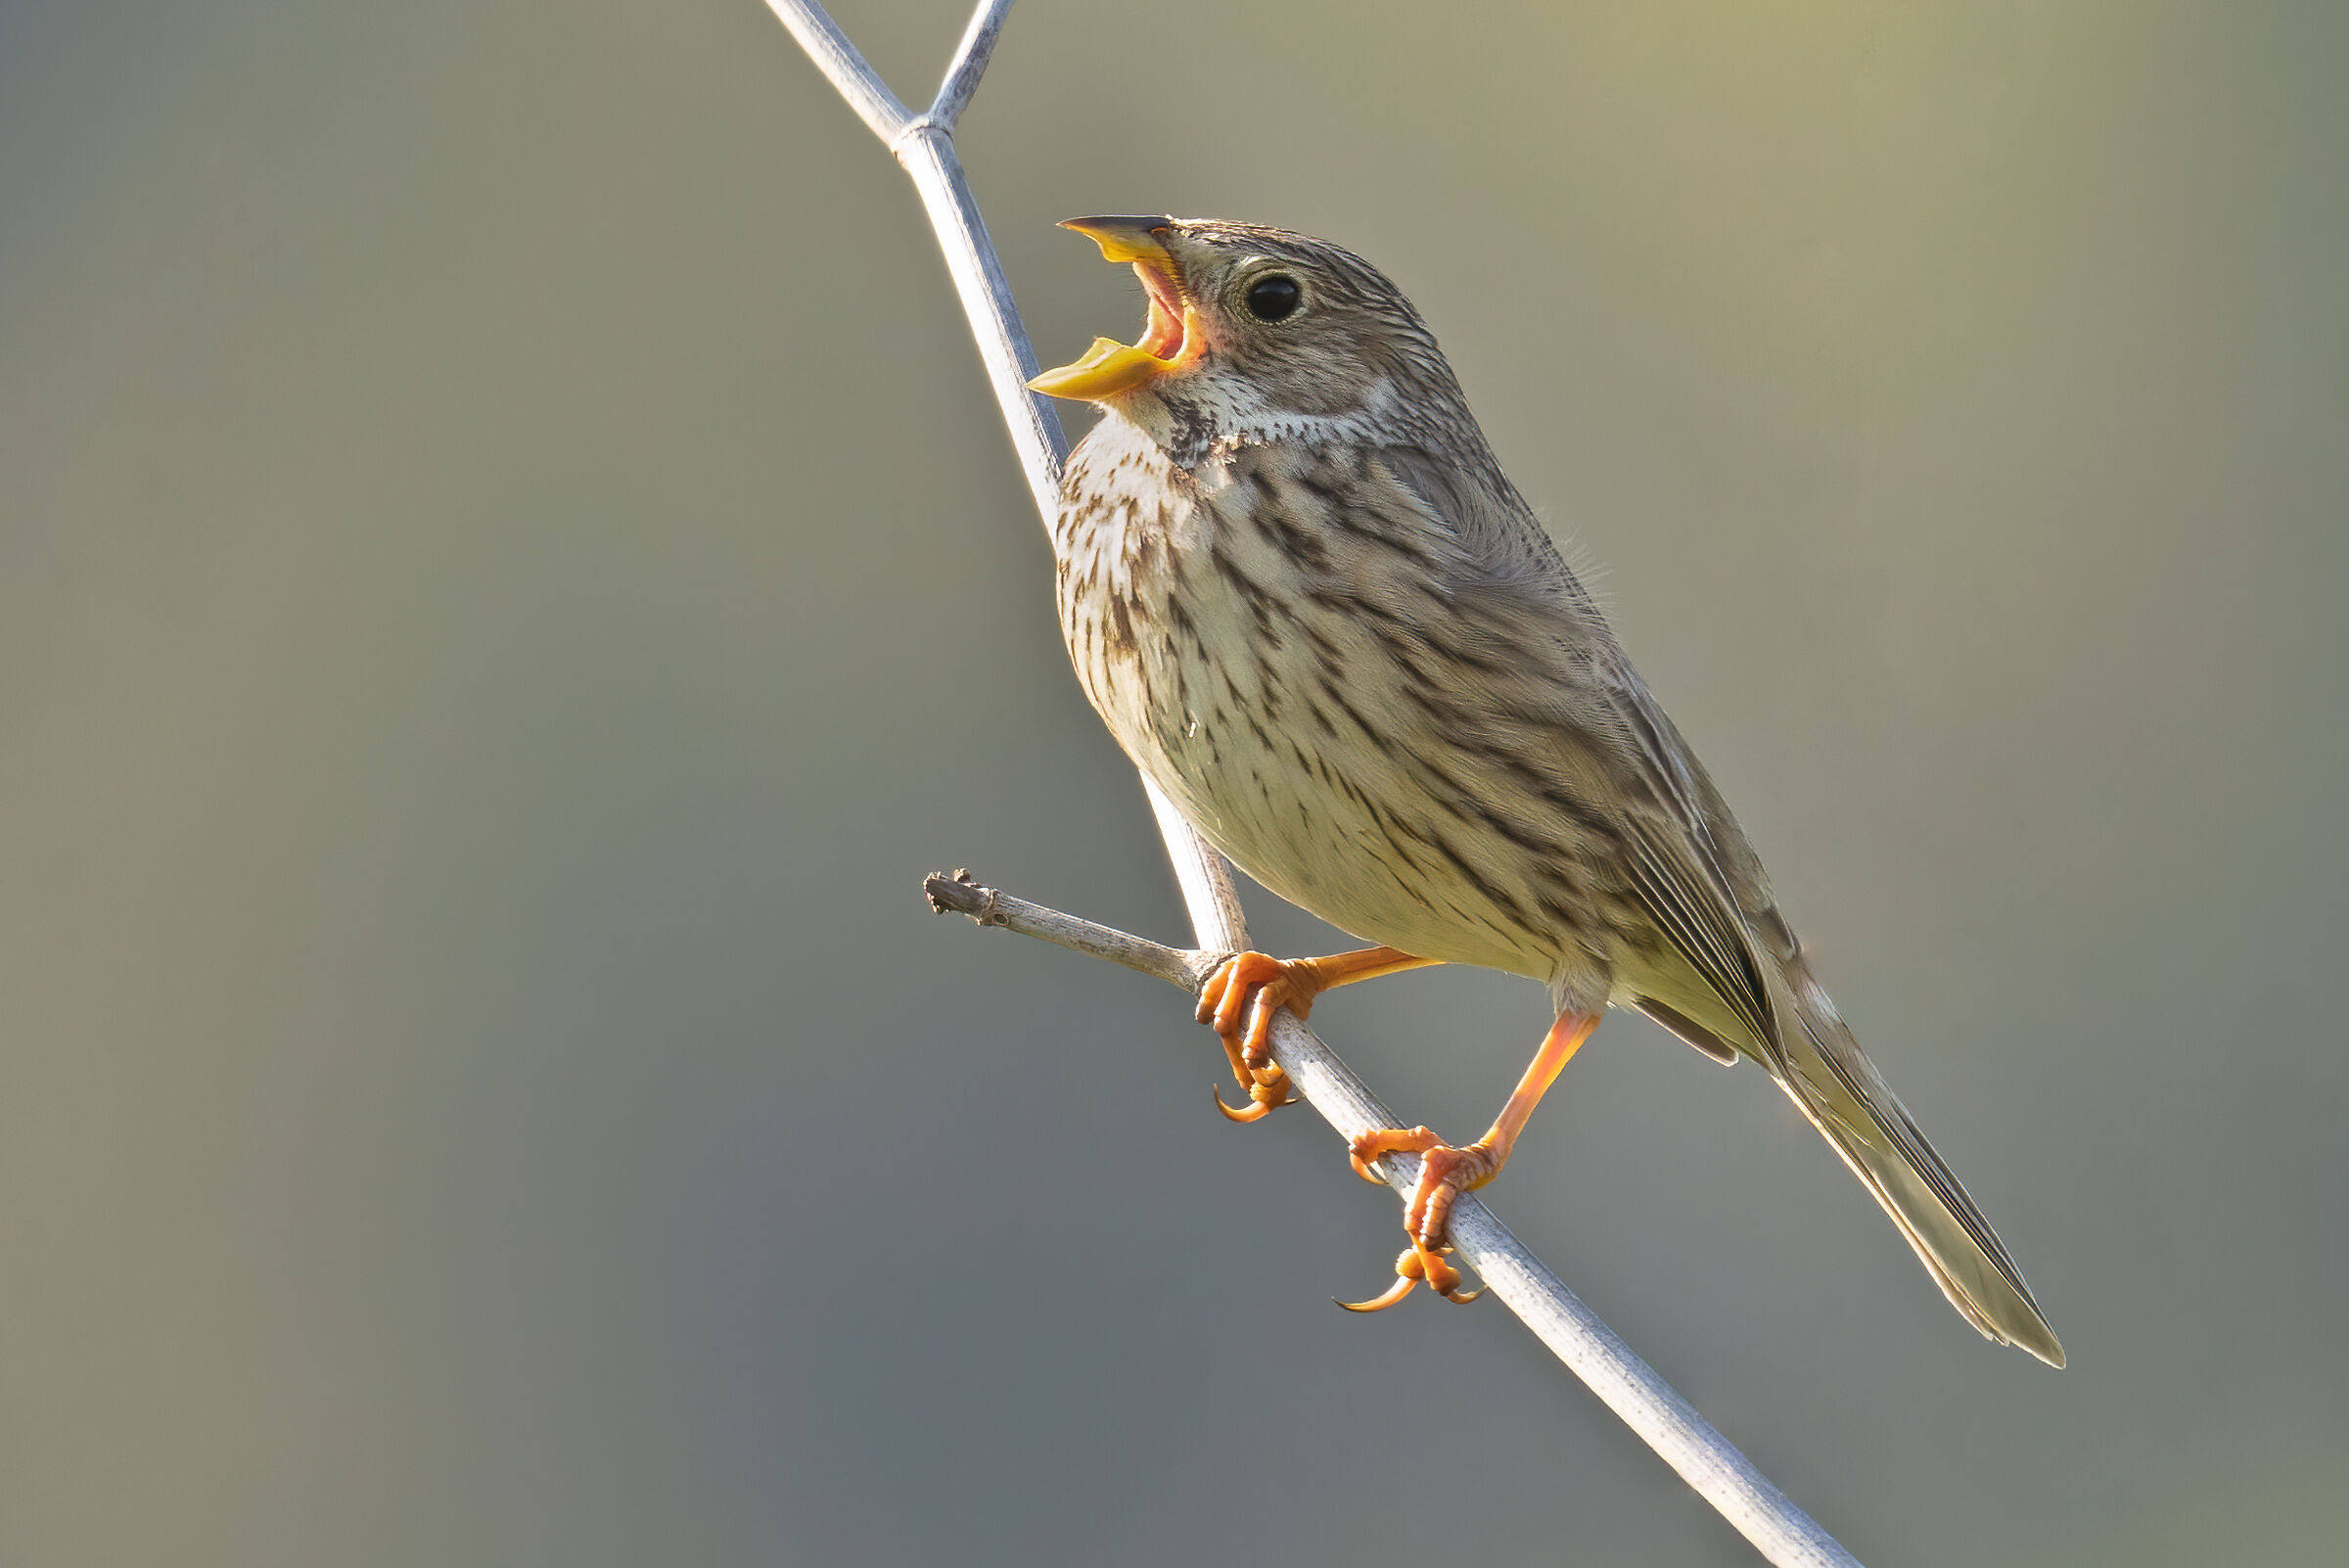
<point>509,575</point>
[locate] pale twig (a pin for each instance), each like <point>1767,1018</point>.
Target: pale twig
<point>1649,1405</point>
<point>970,63</point>
<point>1705,1459</point>
<point>960,894</point>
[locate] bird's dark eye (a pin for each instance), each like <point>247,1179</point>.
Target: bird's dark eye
<point>1274,297</point>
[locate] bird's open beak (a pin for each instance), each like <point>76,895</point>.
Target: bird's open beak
<point>1169,339</point>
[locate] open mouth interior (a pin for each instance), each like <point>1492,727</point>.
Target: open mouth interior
<point>1163,334</point>
<point>1169,340</point>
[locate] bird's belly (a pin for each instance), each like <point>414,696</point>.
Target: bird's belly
<point>1309,769</point>
<point>1355,853</point>
<point>1353,730</point>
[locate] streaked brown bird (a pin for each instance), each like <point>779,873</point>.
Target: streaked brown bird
<point>1310,606</point>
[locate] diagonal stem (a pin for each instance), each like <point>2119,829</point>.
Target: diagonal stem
<point>971,56</point>
<point>845,67</point>
<point>1649,1405</point>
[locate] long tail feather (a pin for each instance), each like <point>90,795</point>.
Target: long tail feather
<point>1824,1073</point>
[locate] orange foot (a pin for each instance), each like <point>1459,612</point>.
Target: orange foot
<point>1248,988</point>
<point>1445,1173</point>
<point>1238,1000</point>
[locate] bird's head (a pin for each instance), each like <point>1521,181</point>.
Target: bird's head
<point>1256,333</point>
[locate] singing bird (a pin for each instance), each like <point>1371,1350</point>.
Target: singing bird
<point>1303,597</point>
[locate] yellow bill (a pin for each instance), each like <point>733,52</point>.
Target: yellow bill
<point>1169,335</point>
<point>1109,367</point>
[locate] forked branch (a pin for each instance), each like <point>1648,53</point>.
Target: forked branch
<point>924,143</point>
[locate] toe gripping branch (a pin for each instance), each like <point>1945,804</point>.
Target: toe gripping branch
<point>1445,1173</point>
<point>1242,993</point>
<point>1237,1000</point>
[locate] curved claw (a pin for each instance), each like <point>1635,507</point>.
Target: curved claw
<point>1385,1298</point>
<point>1269,1090</point>
<point>1361,1168</point>
<point>1254,1112</point>
<point>1412,1266</point>
<point>1441,1278</point>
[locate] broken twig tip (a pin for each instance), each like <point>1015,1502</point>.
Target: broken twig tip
<point>961,893</point>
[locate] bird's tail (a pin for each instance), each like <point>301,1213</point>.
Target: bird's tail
<point>1824,1072</point>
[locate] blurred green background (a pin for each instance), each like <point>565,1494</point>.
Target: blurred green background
<point>509,575</point>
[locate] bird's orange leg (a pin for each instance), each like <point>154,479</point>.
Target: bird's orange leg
<point>1445,1173</point>
<point>1240,998</point>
